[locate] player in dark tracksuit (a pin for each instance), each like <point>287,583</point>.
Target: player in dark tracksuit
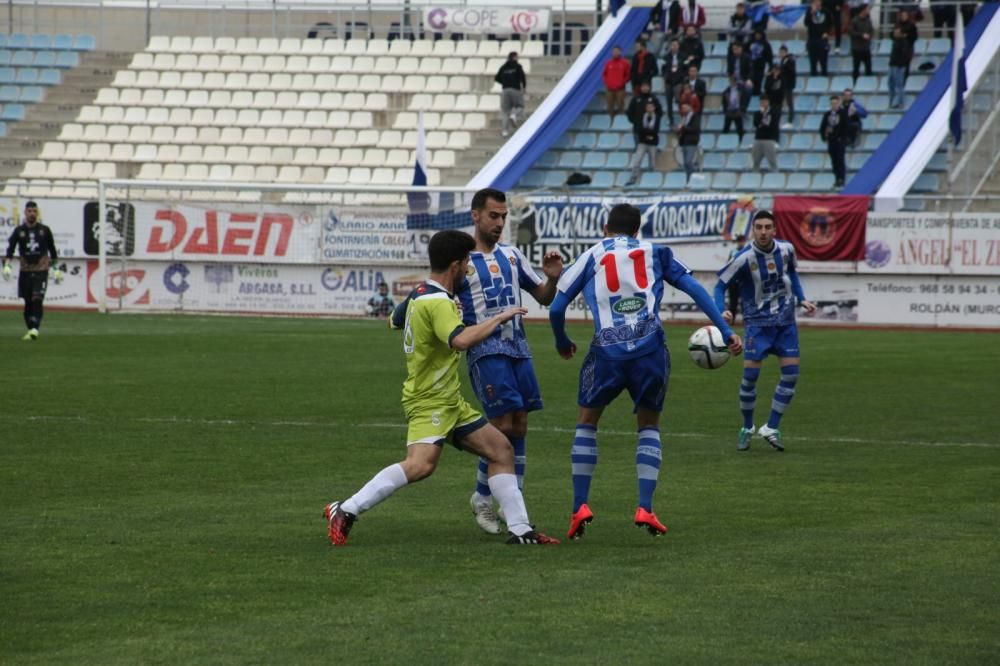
<point>37,251</point>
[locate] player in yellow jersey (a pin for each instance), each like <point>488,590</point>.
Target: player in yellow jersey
<point>433,337</point>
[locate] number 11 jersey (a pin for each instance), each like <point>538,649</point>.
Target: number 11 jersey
<point>622,281</point>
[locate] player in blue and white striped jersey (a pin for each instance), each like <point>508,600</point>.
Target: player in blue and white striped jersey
<point>622,279</point>
<point>765,273</point>
<point>500,367</point>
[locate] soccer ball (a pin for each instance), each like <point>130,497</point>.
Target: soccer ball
<point>707,348</point>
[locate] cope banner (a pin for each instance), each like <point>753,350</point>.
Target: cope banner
<point>487,20</point>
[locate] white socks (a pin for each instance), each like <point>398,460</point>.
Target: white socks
<point>383,484</point>
<point>505,490</point>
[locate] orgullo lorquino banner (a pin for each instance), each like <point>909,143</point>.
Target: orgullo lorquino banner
<point>486,20</point>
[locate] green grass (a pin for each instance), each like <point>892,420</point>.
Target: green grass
<point>161,483</point>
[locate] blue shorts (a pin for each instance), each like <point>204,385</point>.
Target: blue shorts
<point>782,341</point>
<point>646,378</point>
<point>505,384</point>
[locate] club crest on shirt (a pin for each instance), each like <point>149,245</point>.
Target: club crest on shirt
<point>771,266</point>
<point>494,268</point>
<point>490,392</point>
<point>513,261</point>
<point>471,270</point>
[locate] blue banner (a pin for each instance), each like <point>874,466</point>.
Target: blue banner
<point>549,219</point>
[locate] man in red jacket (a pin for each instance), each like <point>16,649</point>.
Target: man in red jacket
<point>617,73</point>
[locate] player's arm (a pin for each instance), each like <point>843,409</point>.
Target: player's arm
<point>463,337</point>
<point>398,317</point>
<point>541,290</point>
<point>569,287</point>
<point>800,294</point>
<point>678,275</point>
<point>11,243</point>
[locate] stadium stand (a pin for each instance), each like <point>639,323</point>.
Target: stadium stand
<point>282,110</point>
<point>803,163</point>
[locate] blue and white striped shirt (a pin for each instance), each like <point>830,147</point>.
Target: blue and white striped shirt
<point>768,282</point>
<point>493,284</point>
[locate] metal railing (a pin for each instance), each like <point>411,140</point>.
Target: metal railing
<point>976,159</point>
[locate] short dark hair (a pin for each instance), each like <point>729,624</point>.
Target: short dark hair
<point>834,97</point>
<point>641,43</point>
<point>512,54</point>
<point>763,213</point>
<point>624,219</point>
<point>30,204</point>
<point>479,198</point>
<point>783,48</point>
<point>448,246</point>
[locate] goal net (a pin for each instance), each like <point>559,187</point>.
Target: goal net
<point>268,249</point>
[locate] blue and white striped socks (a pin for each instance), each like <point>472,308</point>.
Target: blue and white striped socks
<point>648,456</point>
<point>748,395</point>
<point>783,394</point>
<point>584,459</point>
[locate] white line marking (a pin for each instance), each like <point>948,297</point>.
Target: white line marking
<point>392,425</point>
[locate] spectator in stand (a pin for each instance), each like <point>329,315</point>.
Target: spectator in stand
<point>854,7</point>
<point>833,130</point>
<point>738,65</point>
<point>688,97</point>
<point>834,10</point>
<point>944,16</point>
<point>907,23</point>
<point>759,15</point>
<point>688,137</point>
<point>512,85</point>
<point>380,305</point>
<point>617,73</point>
<point>692,48</point>
<point>646,127</point>
<point>861,32</point>
<point>774,89</point>
<point>817,23</point>
<point>643,66</point>
<point>856,113</point>
<point>673,71</point>
<point>968,10</point>
<point>761,57</point>
<point>765,137</point>
<point>698,86</point>
<point>732,107</point>
<point>692,13</point>
<point>899,64</point>
<point>637,106</point>
<point>739,25</point>
<point>786,63</point>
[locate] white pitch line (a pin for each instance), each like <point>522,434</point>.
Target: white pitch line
<point>402,426</point>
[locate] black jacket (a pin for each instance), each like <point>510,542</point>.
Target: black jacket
<point>740,66</point>
<point>902,53</point>
<point>817,24</point>
<point>648,135</point>
<point>690,134</point>
<point>643,68</point>
<point>762,49</point>
<point>511,75</point>
<point>766,125</point>
<point>693,51</point>
<point>637,107</point>
<point>670,75</point>
<point>834,125</point>
<point>774,88</point>
<point>699,88</point>
<point>788,73</point>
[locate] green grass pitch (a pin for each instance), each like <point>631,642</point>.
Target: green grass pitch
<point>162,480</point>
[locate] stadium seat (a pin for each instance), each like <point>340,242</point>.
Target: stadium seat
<point>773,182</point>
<point>817,85</point>
<point>617,161</point>
<point>866,84</point>
<point>749,182</point>
<point>651,180</point>
<point>801,142</point>
<point>723,181</point>
<point>788,162</point>
<point>698,182</point>
<point>608,141</point>
<point>738,162</point>
<point>727,142</point>
<point>927,182</point>
<point>675,180</point>
<point>822,181</point>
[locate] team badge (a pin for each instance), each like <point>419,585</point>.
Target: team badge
<point>470,270</point>
<point>771,266</point>
<point>494,268</point>
<point>436,419</point>
<point>513,261</point>
<point>490,393</point>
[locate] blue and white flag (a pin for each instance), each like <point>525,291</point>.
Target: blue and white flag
<point>788,15</point>
<point>958,82</point>
<point>420,202</point>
